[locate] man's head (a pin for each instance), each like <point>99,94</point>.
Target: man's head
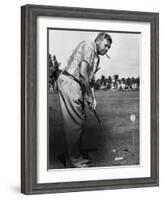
<point>103,43</point>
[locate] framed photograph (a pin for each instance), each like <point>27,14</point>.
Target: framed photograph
<point>89,99</point>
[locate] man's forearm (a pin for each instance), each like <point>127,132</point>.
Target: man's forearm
<point>87,86</point>
<point>84,79</point>
<point>93,93</point>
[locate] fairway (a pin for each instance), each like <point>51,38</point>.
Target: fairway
<point>115,144</point>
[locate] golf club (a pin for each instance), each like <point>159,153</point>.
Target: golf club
<point>97,117</point>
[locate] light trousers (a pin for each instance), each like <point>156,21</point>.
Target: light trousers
<point>72,105</point>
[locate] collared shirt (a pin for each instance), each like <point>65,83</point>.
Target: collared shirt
<point>85,51</point>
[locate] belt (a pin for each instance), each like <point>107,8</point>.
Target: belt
<point>71,76</point>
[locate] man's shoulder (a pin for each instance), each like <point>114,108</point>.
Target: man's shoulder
<point>88,45</point>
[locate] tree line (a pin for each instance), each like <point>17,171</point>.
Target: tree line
<point>54,70</point>
<point>116,83</point>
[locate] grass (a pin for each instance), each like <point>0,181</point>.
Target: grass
<point>118,138</point>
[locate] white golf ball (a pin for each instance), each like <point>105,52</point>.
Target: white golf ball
<point>132,117</point>
<point>114,150</point>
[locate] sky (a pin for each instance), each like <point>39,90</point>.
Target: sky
<point>124,52</point>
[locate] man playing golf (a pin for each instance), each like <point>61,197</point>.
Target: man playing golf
<point>74,84</point>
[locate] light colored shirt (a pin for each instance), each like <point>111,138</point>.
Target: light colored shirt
<point>85,51</point>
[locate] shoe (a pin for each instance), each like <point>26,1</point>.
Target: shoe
<point>77,163</point>
<point>85,161</point>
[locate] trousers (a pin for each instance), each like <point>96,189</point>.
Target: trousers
<point>72,105</point>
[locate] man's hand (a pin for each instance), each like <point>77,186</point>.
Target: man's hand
<point>92,103</point>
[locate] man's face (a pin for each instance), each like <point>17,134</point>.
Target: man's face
<point>103,46</point>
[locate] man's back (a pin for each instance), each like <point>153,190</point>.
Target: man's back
<point>85,51</point>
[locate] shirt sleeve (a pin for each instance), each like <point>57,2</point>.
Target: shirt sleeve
<point>87,54</point>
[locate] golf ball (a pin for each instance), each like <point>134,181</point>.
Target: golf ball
<point>132,117</point>
<point>114,150</point>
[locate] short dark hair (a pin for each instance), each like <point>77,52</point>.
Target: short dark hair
<point>102,36</point>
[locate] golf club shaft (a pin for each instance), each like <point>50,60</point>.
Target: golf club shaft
<point>95,113</point>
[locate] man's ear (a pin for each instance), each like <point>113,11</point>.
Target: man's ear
<point>97,41</point>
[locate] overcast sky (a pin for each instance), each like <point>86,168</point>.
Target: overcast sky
<point>124,52</point>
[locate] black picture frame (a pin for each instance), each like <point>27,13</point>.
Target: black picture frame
<point>29,15</point>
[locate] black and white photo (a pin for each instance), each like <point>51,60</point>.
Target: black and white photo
<point>93,98</point>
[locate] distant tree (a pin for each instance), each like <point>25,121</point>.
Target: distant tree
<point>116,77</point>
<point>137,81</point>
<point>97,84</point>
<point>54,70</point>
<point>123,80</point>
<point>109,82</point>
<point>109,79</point>
<point>133,80</point>
<point>50,61</point>
<point>103,80</point>
<point>128,82</point>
